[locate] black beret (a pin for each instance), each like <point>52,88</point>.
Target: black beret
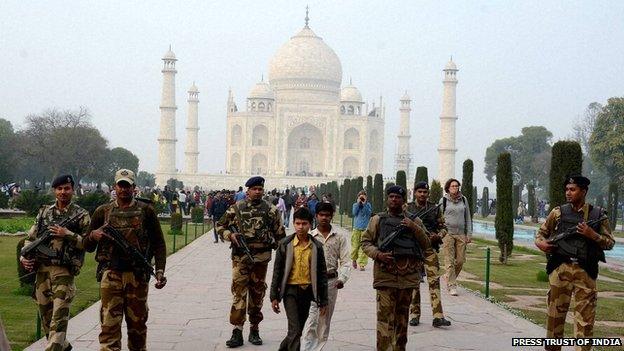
<point>577,179</point>
<point>396,189</point>
<point>255,181</point>
<point>421,185</point>
<point>63,179</point>
<point>324,206</point>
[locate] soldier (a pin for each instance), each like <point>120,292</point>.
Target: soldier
<point>260,224</point>
<point>396,272</point>
<point>54,284</point>
<point>124,282</point>
<point>572,264</point>
<point>433,221</point>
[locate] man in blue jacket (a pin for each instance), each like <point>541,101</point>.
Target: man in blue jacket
<point>361,211</point>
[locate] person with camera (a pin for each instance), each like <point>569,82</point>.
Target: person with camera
<point>259,224</point>
<point>54,282</point>
<point>361,211</point>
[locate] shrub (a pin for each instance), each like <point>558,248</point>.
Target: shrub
<point>4,200</point>
<point>91,201</point>
<point>542,276</point>
<point>401,179</point>
<point>31,201</point>
<point>176,223</point>
<point>197,215</point>
<point>485,199</point>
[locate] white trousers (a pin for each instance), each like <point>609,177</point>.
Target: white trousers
<point>316,329</point>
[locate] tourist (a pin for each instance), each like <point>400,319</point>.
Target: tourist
<point>288,202</point>
<point>219,206</point>
<point>299,277</point>
<point>240,194</point>
<point>336,251</point>
<point>259,224</point>
<point>182,201</point>
<point>396,271</point>
<point>361,211</point>
<point>574,272</point>
<point>459,226</point>
<point>302,201</point>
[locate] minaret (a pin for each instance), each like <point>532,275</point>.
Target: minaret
<point>167,138</point>
<point>448,117</point>
<point>191,151</point>
<point>403,157</point>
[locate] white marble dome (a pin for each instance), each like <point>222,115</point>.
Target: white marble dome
<point>261,90</point>
<point>169,55</point>
<point>351,94</point>
<point>304,58</point>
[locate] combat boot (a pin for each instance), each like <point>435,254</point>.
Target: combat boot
<point>441,322</point>
<point>254,337</point>
<point>414,322</point>
<point>236,340</point>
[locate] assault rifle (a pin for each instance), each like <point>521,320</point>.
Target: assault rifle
<point>242,243</point>
<point>120,241</point>
<point>572,231</point>
<point>386,244</point>
<point>40,245</point>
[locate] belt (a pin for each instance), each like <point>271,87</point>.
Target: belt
<point>332,274</point>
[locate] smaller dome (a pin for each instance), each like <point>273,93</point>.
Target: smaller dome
<point>261,90</point>
<point>350,93</point>
<point>193,88</point>
<point>450,65</point>
<point>405,96</point>
<point>169,55</point>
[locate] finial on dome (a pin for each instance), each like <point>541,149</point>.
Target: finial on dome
<point>307,18</point>
<point>350,81</point>
<point>262,79</point>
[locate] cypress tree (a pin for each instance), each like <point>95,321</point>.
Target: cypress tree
<point>378,193</point>
<point>504,211</point>
<point>401,179</point>
<point>516,199</point>
<point>369,188</point>
<point>421,175</point>
<point>354,188</point>
<point>532,202</point>
<point>485,202</point>
<point>359,181</point>
<point>567,158</point>
<point>475,196</point>
<point>435,191</point>
<point>344,198</point>
<point>466,187</point>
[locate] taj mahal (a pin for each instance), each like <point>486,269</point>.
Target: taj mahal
<point>302,126</point>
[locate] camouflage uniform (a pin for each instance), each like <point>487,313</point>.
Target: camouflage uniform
<point>123,284</point>
<point>394,284</point>
<point>261,224</point>
<point>568,278</point>
<point>54,284</point>
<point>434,223</point>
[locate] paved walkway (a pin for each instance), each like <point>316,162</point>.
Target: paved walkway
<point>191,313</point>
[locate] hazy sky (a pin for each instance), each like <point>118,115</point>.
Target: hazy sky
<point>521,63</point>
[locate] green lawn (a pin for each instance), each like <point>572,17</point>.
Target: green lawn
<point>519,277</point>
<point>16,224</point>
<point>19,313</point>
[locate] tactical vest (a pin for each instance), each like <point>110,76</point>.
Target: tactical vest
<point>67,254</point>
<point>405,249</point>
<point>129,222</point>
<point>577,248</point>
<point>255,223</point>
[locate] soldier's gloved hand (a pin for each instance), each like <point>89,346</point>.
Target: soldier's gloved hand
<point>29,265</point>
<point>545,245</point>
<point>161,280</point>
<point>97,234</point>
